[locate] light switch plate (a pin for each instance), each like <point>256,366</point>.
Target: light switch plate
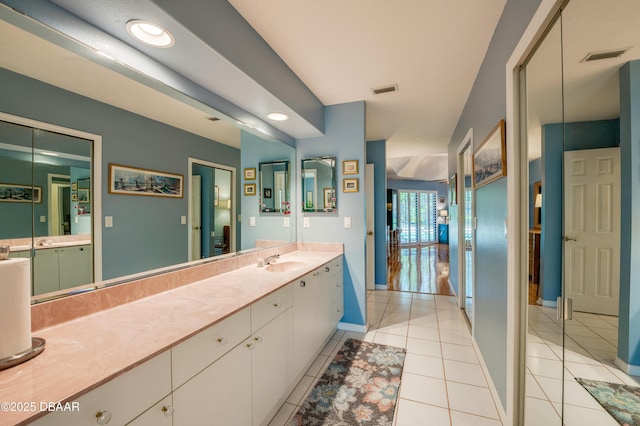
<point>306,222</point>
<point>76,219</point>
<point>347,222</point>
<point>108,221</point>
<point>183,220</point>
<point>286,222</point>
<point>252,221</point>
<point>43,219</point>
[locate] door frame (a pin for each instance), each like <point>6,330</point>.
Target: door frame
<point>50,210</point>
<point>466,143</point>
<point>234,222</point>
<point>517,219</point>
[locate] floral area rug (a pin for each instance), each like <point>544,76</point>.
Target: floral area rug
<point>360,387</point>
<point>621,401</point>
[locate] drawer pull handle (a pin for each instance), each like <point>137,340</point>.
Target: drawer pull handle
<point>303,284</point>
<point>276,305</point>
<point>327,269</point>
<point>258,339</point>
<point>167,410</point>
<point>222,340</point>
<point>250,346</point>
<point>103,417</point>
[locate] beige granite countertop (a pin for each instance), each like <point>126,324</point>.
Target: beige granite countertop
<point>86,352</point>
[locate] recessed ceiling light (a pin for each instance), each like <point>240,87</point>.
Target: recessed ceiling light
<point>277,116</point>
<point>150,33</point>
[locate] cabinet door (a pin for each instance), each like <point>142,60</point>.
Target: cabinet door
<point>75,265</point>
<point>45,271</point>
<point>271,367</point>
<point>121,399</point>
<point>304,323</point>
<point>219,395</point>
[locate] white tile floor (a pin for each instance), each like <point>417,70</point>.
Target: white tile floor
<point>442,382</point>
<point>590,342</point>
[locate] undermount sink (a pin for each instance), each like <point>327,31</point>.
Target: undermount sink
<point>284,266</point>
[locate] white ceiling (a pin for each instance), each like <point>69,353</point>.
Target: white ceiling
<point>341,50</point>
<point>432,49</point>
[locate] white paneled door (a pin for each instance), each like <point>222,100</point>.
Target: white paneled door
<point>592,229</point>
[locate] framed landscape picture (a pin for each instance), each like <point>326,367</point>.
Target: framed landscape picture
<point>350,185</point>
<point>490,158</point>
<point>135,181</point>
<point>20,193</point>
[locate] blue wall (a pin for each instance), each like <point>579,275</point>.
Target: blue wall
<point>344,138</point>
<point>377,155</point>
<point>146,232</point>
<point>535,174</point>
<point>485,107</point>
<point>268,226</point>
<point>629,314</point>
<point>575,136</point>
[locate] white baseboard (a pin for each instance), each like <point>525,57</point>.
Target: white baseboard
<point>381,286</point>
<point>632,370</point>
<point>549,303</point>
<point>492,388</point>
<point>347,326</point>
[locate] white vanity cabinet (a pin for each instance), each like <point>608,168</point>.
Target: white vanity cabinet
<point>238,371</point>
<point>219,395</point>
<point>61,268</point>
<point>122,399</point>
<point>317,297</point>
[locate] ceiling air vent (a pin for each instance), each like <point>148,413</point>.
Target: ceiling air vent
<point>385,89</point>
<point>607,54</point>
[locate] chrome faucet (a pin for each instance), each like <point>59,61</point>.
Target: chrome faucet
<point>269,259</point>
<point>43,243</point>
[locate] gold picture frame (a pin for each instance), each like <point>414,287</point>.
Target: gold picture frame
<point>250,173</point>
<point>350,185</point>
<point>250,189</point>
<point>490,158</point>
<point>350,167</point>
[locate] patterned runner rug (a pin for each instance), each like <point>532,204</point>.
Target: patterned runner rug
<point>621,401</point>
<point>360,387</point>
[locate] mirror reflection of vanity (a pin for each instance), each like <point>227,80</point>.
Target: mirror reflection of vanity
<point>275,190</point>
<point>137,235</point>
<point>319,185</point>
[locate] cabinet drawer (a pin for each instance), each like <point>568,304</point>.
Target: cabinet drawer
<point>195,354</point>
<point>124,398</point>
<point>269,307</point>
<point>160,414</point>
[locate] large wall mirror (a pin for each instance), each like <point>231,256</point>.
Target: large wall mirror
<point>141,123</point>
<point>319,185</point>
<point>275,190</point>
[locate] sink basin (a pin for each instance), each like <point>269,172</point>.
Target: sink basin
<point>284,266</point>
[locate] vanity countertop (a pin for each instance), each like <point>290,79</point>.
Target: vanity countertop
<point>84,353</point>
<point>22,244</point>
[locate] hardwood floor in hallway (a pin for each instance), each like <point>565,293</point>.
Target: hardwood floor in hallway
<point>419,269</point>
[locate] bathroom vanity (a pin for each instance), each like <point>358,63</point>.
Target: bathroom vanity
<point>226,349</point>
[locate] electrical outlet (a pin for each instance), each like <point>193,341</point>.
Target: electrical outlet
<point>108,221</point>
<point>252,221</point>
<point>183,220</point>
<point>306,222</point>
<point>43,219</point>
<point>286,222</point>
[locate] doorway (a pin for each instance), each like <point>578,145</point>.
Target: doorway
<point>211,209</point>
<point>466,226</point>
